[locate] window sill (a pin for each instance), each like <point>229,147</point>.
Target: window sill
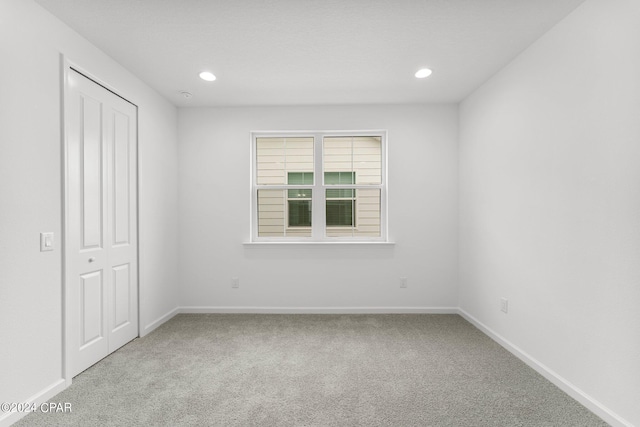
<point>323,243</point>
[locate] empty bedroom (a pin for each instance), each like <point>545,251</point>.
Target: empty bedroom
<point>320,213</point>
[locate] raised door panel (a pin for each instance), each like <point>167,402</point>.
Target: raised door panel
<point>91,172</point>
<point>122,180</point>
<point>91,307</point>
<point>121,296</point>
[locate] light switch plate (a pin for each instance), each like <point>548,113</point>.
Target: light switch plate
<point>504,305</point>
<point>46,241</point>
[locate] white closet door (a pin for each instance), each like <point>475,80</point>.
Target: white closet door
<point>101,221</point>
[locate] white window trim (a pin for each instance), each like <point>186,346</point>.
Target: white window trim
<point>318,187</point>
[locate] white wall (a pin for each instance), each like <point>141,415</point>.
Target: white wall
<point>550,203</point>
<point>31,41</point>
<point>214,179</point>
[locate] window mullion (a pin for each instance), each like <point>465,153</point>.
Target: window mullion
<point>318,219</point>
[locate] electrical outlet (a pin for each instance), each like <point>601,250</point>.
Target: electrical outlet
<point>235,282</point>
<point>403,282</point>
<point>504,305</point>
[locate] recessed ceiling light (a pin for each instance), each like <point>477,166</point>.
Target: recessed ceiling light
<point>425,72</point>
<point>206,75</point>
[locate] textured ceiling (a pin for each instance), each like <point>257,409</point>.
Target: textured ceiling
<point>297,52</point>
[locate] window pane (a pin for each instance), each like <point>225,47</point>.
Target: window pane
<point>359,155</point>
<point>353,212</point>
<point>279,216</point>
<point>275,157</point>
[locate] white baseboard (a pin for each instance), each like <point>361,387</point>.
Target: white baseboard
<point>321,310</point>
<point>8,418</point>
<point>589,402</point>
<point>159,321</point>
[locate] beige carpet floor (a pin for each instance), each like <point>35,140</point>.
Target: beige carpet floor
<point>314,370</point>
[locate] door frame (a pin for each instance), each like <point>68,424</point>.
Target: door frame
<point>65,66</point>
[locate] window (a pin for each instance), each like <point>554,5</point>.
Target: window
<point>318,186</point>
